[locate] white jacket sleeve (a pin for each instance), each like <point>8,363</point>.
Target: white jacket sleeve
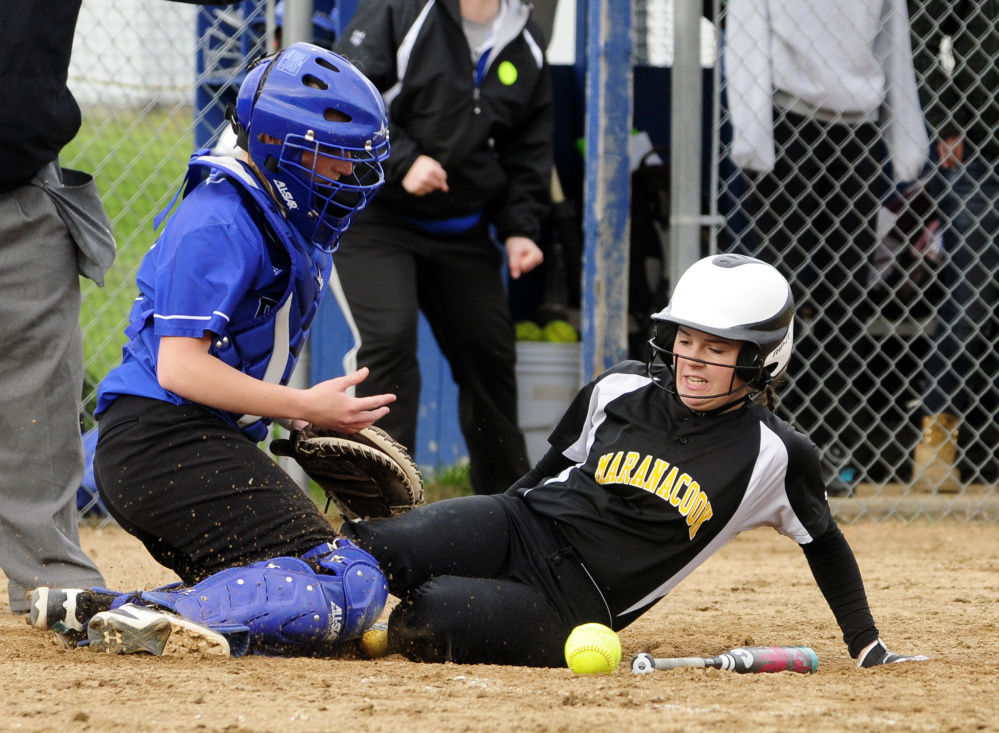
<point>902,121</point>
<point>749,84</point>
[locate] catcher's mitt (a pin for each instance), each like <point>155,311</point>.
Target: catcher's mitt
<point>367,474</point>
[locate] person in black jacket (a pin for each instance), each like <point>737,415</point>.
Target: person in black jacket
<point>52,229</point>
<point>469,98</point>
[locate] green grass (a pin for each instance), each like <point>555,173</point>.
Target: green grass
<point>139,159</point>
<point>448,482</point>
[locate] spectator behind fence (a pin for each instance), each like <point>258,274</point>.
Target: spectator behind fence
<point>817,91</point>
<point>962,108</point>
<point>469,100</point>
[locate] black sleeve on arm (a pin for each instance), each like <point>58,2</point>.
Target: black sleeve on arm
<point>837,574</point>
<point>551,464</point>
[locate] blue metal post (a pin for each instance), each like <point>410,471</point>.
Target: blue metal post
<point>606,188</point>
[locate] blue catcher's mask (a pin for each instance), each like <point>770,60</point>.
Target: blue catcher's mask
<point>316,129</point>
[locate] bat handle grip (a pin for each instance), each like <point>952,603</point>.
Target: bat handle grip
<point>644,663</point>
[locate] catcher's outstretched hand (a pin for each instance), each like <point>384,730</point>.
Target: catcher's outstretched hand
<point>367,474</point>
<point>329,406</point>
<point>876,654</point>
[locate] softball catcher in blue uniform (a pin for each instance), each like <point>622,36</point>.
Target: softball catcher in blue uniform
<point>226,298</point>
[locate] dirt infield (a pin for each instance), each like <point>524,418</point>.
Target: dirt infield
<point>934,589</point>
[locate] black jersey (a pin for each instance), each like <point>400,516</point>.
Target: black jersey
<point>656,489</point>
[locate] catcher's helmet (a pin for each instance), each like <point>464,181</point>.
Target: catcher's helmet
<point>733,297</point>
<point>306,99</point>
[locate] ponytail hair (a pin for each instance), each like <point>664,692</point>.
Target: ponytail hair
<point>768,395</point>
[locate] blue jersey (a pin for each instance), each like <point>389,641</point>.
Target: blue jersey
<point>227,264</point>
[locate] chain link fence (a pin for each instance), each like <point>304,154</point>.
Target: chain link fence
<point>825,172</point>
<point>867,256</point>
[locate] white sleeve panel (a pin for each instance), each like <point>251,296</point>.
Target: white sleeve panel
<point>604,392</point>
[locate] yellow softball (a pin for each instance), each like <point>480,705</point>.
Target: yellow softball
<point>374,642</point>
<point>592,649</point>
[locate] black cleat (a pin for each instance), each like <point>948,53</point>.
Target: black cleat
<point>66,609</point>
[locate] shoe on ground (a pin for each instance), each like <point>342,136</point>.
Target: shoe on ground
<point>133,629</point>
<point>66,609</point>
<point>934,468</point>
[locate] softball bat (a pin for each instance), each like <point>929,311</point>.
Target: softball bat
<point>744,660</point>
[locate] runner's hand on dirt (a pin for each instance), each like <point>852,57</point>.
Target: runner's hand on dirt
<point>877,653</point>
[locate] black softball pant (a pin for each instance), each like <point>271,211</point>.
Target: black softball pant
<point>481,580</point>
<point>196,492</point>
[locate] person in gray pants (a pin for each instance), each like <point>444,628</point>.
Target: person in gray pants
<point>52,229</point>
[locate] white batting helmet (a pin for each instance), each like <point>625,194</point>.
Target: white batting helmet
<point>733,297</point>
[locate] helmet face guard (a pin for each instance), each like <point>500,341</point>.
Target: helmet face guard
<point>331,203</point>
<point>733,297</point>
<point>296,112</point>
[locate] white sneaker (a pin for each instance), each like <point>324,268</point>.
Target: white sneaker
<point>130,629</point>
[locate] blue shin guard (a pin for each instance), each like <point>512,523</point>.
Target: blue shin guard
<point>361,583</point>
<point>333,594</point>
